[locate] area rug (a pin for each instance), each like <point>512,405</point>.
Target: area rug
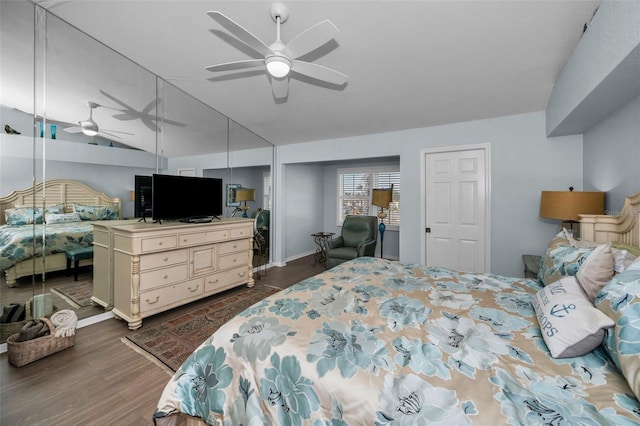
<point>77,294</point>
<point>172,341</point>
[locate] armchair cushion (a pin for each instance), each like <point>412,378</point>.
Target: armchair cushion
<point>358,238</point>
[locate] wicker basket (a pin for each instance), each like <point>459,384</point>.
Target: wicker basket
<point>22,353</point>
<point>9,328</point>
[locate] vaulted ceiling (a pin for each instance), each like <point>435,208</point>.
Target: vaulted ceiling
<point>409,63</point>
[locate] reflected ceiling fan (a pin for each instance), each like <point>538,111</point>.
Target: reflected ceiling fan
<point>280,59</point>
<point>146,116</point>
<point>90,128</point>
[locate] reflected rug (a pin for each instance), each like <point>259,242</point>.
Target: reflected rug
<point>77,294</point>
<point>172,341</point>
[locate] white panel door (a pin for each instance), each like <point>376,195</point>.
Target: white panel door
<point>455,207</point>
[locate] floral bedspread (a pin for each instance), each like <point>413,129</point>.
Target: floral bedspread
<point>377,342</point>
<point>16,241</point>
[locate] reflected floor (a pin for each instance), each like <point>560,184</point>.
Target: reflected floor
<point>23,291</point>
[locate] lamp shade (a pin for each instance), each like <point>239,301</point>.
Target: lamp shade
<point>567,205</point>
<point>382,197</point>
<point>245,194</point>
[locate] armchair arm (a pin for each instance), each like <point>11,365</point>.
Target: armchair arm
<point>367,248</point>
<point>333,243</point>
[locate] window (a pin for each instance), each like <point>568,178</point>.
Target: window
<point>266,191</point>
<point>354,192</point>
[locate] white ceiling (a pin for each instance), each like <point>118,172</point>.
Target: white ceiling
<point>410,63</point>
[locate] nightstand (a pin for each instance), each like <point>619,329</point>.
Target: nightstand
<point>531,265</point>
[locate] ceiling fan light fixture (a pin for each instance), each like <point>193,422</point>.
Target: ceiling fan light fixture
<point>89,127</point>
<point>278,66</point>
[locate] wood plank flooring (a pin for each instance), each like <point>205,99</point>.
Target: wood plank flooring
<point>101,381</point>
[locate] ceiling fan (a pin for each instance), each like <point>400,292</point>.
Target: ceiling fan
<point>280,59</point>
<point>90,128</point>
<point>146,115</point>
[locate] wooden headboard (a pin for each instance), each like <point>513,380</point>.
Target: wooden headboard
<point>623,227</point>
<point>57,191</point>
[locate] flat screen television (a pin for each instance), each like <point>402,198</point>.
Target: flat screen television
<point>142,196</point>
<point>186,198</point>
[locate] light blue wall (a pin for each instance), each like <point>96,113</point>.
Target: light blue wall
<point>612,155</point>
<point>524,162</point>
<point>603,72</point>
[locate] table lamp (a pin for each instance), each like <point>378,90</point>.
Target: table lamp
<point>567,205</point>
<point>244,195</point>
<point>382,198</point>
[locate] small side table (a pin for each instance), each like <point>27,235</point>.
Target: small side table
<point>321,256</point>
<point>531,265</point>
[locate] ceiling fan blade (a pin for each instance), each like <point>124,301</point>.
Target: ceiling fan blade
<point>73,129</point>
<point>312,38</point>
<point>236,65</point>
<point>319,72</point>
<point>280,87</point>
<point>241,33</point>
<point>102,133</point>
<point>117,131</point>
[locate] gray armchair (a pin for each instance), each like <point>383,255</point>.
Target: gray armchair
<point>358,238</point>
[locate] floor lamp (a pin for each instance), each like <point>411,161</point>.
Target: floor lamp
<point>382,198</point>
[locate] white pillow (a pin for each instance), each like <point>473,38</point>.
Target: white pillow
<point>622,259</point>
<point>635,265</point>
<point>61,217</point>
<point>570,324</point>
<point>596,271</point>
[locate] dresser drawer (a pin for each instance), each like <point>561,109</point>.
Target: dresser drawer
<point>170,295</point>
<point>158,243</point>
<point>185,240</point>
<point>165,258</point>
<point>161,277</point>
<point>233,247</point>
<point>223,280</point>
<point>233,260</point>
<point>244,232</point>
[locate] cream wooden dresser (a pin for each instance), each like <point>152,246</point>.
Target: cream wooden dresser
<point>157,267</point>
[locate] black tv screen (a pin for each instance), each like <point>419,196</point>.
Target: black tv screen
<point>186,197</point>
<point>142,196</point>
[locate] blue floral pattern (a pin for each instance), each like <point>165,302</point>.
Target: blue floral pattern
<point>383,343</point>
<point>17,242</point>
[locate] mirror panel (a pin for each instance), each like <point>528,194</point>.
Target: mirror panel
<point>54,74</point>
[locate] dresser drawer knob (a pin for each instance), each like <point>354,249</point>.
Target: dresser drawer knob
<point>166,276</point>
<point>160,243</point>
<point>166,259</point>
<point>195,289</point>
<point>154,302</point>
<point>242,274</point>
<point>213,282</point>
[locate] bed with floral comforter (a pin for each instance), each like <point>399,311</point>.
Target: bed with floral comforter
<point>378,342</point>
<point>17,241</point>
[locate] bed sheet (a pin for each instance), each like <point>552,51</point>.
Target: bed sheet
<point>17,241</point>
<point>378,342</point>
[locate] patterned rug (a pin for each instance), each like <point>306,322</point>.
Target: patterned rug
<point>77,294</point>
<point>172,341</point>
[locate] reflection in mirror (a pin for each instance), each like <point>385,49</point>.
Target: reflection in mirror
<point>17,144</point>
<point>250,163</point>
<point>145,125</point>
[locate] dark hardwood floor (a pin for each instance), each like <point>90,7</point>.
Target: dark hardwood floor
<point>100,380</point>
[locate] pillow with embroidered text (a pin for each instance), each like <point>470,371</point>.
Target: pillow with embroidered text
<point>570,324</point>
